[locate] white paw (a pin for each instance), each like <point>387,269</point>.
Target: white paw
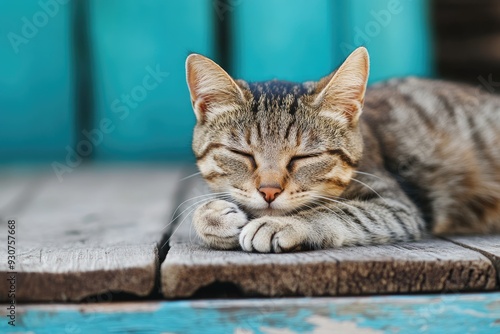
<point>273,234</point>
<point>219,223</point>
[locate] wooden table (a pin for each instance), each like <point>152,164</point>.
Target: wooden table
<point>106,234</point>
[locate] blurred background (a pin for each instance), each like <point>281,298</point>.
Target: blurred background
<point>103,80</point>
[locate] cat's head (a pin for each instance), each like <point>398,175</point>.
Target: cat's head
<point>274,147</point>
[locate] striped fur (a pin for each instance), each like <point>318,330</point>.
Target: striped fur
<point>420,156</point>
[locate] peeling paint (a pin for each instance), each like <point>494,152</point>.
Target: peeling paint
<point>460,313</point>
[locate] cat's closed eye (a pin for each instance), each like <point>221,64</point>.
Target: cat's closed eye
<point>247,155</point>
<point>297,158</point>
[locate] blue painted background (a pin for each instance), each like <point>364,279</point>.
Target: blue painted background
<point>36,87</point>
<point>148,119</point>
<point>131,39</point>
<point>436,314</point>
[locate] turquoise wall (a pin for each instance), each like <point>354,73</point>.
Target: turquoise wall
<point>289,40</point>
<point>140,107</point>
<point>139,49</point>
<point>36,87</point>
<point>396,33</point>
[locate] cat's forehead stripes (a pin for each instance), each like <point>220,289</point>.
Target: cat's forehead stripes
<point>277,88</point>
<point>277,95</point>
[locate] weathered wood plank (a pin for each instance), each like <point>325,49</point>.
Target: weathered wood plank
<point>489,246</point>
<point>454,313</point>
<point>98,231</point>
<point>429,265</point>
<point>425,266</point>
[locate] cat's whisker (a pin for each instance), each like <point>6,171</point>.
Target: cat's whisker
<point>336,197</point>
<point>196,197</point>
<point>332,200</point>
<point>182,221</point>
<point>376,193</point>
<point>189,176</point>
<point>332,211</point>
<point>190,206</point>
<point>208,198</point>
<point>337,214</point>
<point>202,201</point>
<point>292,212</point>
<point>311,208</point>
<point>190,237</point>
<point>369,174</point>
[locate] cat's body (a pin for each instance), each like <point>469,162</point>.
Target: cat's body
<point>298,166</point>
<point>441,141</point>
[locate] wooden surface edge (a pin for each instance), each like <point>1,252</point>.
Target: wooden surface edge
<point>76,287</point>
<point>42,286</point>
<point>327,278</point>
<point>489,246</point>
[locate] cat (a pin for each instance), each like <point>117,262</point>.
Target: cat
<point>323,165</point>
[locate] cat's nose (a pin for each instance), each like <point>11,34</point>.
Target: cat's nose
<point>270,192</point>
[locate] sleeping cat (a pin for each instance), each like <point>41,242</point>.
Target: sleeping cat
<point>322,165</point>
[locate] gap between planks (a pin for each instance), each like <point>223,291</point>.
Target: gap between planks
<point>94,233</point>
<point>489,246</point>
<point>101,229</point>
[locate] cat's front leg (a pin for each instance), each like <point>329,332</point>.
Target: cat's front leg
<point>374,222</point>
<point>219,223</point>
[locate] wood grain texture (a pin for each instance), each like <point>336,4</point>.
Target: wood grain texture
<point>489,246</point>
<point>427,266</point>
<point>96,232</point>
<point>456,313</point>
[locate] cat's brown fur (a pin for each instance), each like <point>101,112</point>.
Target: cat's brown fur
<point>423,155</point>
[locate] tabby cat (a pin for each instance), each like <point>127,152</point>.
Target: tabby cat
<point>321,165</point>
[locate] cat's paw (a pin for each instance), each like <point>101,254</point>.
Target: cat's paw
<point>219,223</point>
<point>273,234</point>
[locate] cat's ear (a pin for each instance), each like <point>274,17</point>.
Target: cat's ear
<point>341,95</point>
<point>212,90</point>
